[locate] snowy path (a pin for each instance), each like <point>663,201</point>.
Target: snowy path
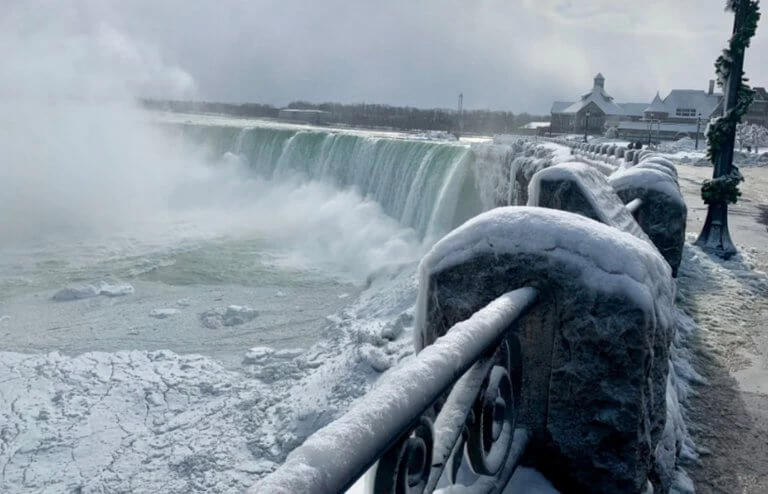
<point>729,301</point>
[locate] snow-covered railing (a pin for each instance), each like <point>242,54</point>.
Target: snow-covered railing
<point>634,205</point>
<point>460,392</point>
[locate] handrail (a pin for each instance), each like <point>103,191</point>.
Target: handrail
<point>383,420</point>
<point>634,205</point>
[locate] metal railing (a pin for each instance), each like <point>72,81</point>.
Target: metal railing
<point>634,205</point>
<point>455,401</point>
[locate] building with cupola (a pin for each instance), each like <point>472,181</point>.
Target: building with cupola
<point>683,112</point>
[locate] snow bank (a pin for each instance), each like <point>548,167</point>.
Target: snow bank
<point>126,421</point>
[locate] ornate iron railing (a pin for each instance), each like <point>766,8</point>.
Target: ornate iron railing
<point>452,406</point>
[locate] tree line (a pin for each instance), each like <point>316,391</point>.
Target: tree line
<point>368,115</point>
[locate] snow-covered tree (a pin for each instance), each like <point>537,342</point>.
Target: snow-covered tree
<point>611,132</point>
<point>752,136</point>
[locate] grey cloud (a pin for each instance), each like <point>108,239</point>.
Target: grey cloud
<point>500,54</point>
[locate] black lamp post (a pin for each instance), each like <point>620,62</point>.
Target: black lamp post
<point>586,125</point>
<point>650,129</point>
<point>715,236</point>
<point>698,129</point>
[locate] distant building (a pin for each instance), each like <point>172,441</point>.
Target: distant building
<point>314,117</point>
<point>680,114</point>
<point>758,111</point>
<point>602,110</point>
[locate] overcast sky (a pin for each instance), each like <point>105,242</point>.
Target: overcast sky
<point>518,55</point>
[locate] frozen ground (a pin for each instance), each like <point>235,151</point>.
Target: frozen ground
<point>729,301</point>
<point>157,421</point>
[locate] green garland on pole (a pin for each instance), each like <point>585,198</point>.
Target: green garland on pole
<point>727,187</point>
<point>722,189</point>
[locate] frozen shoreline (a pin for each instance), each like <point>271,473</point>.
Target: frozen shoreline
<point>146,420</point>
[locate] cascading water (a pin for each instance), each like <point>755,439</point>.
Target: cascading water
<point>426,186</point>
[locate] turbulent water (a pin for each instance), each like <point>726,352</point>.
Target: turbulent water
<point>219,237</point>
<point>426,186</point>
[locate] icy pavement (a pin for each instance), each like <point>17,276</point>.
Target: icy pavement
<point>728,300</point>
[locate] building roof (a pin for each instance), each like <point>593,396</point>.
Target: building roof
<point>599,97</point>
<point>633,109</point>
<point>760,93</point>
<point>682,128</point>
<point>701,102</point>
<point>692,99</point>
<point>535,125</point>
<point>559,106</point>
<point>657,106</point>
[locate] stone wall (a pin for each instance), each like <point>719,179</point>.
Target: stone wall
<point>597,345</point>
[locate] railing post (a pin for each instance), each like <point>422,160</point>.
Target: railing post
<point>599,382</point>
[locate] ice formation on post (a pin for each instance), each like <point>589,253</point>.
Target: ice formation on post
<point>602,366</point>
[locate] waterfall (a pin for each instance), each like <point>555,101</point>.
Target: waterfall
<point>429,186</point>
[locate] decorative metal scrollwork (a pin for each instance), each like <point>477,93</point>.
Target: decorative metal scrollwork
<point>490,437</point>
<point>406,466</point>
<point>486,439</point>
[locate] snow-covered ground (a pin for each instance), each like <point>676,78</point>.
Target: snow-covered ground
<point>729,302</point>
<point>158,421</point>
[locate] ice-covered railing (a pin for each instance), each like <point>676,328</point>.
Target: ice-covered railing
<point>461,391</point>
<point>573,383</point>
<point>503,169</point>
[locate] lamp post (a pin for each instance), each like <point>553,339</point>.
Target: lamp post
<point>658,131</point>
<point>650,129</point>
<point>698,128</point>
<point>586,125</point>
<point>715,236</point>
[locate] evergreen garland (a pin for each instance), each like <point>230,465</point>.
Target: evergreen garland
<point>722,189</point>
<point>726,188</point>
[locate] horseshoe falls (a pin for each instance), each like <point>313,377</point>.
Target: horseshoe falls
<point>427,186</point>
<point>184,299</point>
